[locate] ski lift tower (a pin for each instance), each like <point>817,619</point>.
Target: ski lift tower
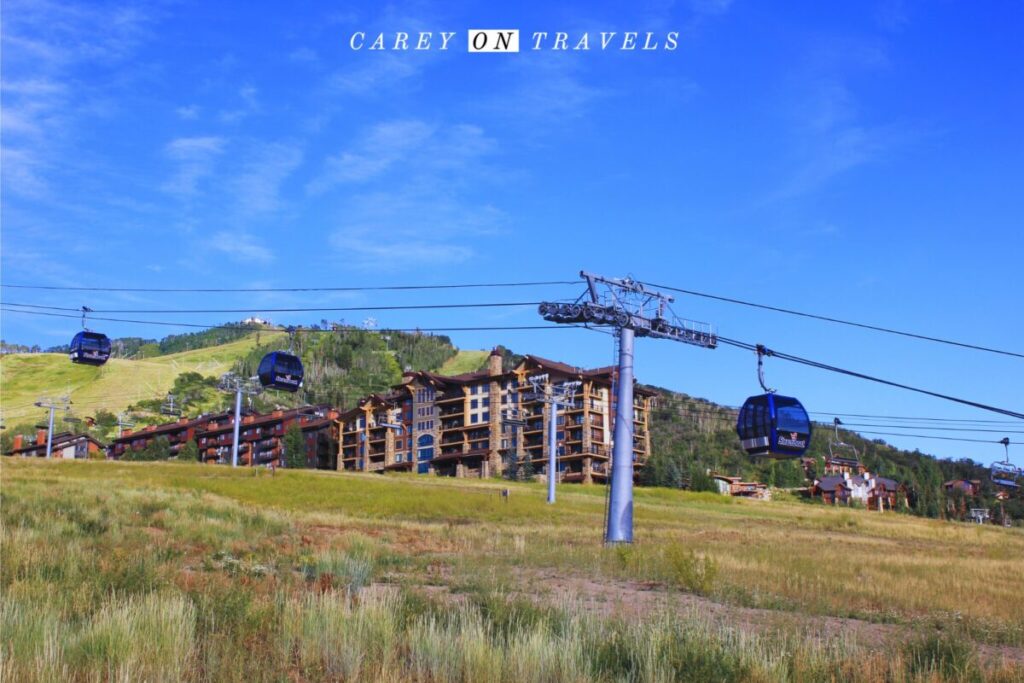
<point>632,311</point>
<point>558,397</point>
<point>232,383</point>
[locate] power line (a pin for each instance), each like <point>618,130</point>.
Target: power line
<point>380,288</point>
<point>814,316</point>
<point>411,307</point>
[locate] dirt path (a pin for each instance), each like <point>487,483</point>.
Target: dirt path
<point>637,600</point>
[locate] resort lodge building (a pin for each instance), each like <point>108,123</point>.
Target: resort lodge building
<point>480,424</point>
<point>261,436</point>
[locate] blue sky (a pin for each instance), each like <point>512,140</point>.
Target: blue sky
<point>859,160</point>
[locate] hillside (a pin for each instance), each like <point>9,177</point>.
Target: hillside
<point>113,386</point>
<point>209,573</point>
<point>465,361</point>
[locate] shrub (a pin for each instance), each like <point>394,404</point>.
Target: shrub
<point>690,571</point>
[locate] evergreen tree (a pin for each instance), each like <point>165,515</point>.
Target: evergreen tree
<point>189,452</point>
<point>673,475</point>
<point>527,471</point>
<point>512,468</point>
<point>294,447</point>
<point>700,480</point>
<point>158,449</point>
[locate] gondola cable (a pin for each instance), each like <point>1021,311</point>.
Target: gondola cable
<point>814,316</point>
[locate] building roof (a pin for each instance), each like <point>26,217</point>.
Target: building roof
<point>201,422</point>
<point>832,482</point>
<point>60,441</point>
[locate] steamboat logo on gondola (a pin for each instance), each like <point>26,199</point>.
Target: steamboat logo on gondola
<point>792,441</point>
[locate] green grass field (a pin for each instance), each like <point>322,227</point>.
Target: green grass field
<point>465,361</point>
<point>145,571</point>
<point>113,386</point>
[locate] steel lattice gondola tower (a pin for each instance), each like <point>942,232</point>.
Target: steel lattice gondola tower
<point>633,311</point>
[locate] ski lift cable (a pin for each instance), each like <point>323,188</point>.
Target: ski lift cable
<point>870,378</point>
<point>725,340</point>
<point>263,328</point>
<point>866,326</point>
<point>379,288</point>
<point>411,307</point>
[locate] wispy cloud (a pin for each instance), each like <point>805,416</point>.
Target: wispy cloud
<point>195,158</point>
<point>44,45</point>
<point>381,147</point>
<point>189,113</point>
<point>548,91</point>
<point>248,104</point>
<point>403,188</point>
<point>379,72</point>
<point>240,246</point>
<point>258,185</point>
<point>829,134</point>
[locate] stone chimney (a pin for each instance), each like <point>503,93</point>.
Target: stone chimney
<point>40,437</point>
<point>494,362</point>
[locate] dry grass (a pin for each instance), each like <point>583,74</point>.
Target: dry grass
<point>234,575</point>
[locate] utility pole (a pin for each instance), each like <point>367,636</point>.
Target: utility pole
<point>232,383</point>
<point>633,311</point>
<point>558,397</point>
<point>61,404</point>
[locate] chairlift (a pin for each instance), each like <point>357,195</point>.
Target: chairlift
<point>1005,473</point>
<point>168,407</point>
<point>770,425</point>
<point>282,369</point>
<point>838,443</point>
<point>89,348</point>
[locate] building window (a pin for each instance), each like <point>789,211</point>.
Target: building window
<point>486,401</point>
<point>473,404</point>
<point>474,418</point>
<point>486,416</point>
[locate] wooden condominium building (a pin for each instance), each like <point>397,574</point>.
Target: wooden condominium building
<point>479,424</point>
<point>260,436</point>
<point>63,445</point>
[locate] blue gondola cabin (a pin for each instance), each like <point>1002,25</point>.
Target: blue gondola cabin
<point>280,370</point>
<point>90,348</point>
<point>772,426</point>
